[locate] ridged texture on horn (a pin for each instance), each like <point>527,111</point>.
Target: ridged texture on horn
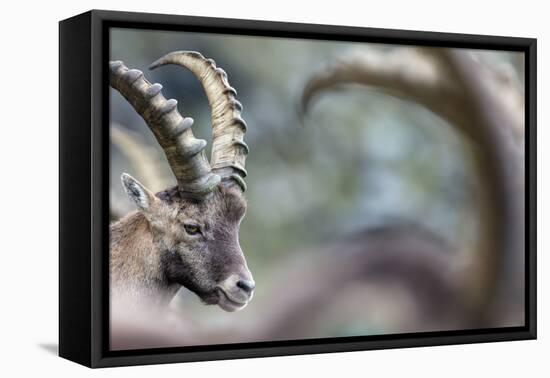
<point>184,152</point>
<point>228,128</point>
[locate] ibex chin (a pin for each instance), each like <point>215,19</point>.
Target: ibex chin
<point>186,235</point>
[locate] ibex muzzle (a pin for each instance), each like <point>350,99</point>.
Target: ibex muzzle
<point>186,235</point>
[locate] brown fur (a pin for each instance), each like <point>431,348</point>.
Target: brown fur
<point>152,255</point>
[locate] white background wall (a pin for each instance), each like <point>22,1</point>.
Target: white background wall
<point>29,190</point>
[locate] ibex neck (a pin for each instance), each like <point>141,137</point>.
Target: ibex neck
<point>136,268</point>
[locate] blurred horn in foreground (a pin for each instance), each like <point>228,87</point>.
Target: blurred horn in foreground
<point>474,100</point>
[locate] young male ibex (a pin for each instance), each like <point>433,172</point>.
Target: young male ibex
<point>186,235</point>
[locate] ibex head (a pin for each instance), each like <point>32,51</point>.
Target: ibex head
<point>194,226</point>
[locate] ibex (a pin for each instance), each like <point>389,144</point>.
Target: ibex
<point>448,295</point>
<point>186,235</point>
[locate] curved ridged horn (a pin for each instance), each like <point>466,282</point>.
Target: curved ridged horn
<point>228,128</point>
<point>173,132</point>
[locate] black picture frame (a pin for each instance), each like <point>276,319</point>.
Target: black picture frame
<point>83,196</point>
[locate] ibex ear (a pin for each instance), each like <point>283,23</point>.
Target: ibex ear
<point>140,195</point>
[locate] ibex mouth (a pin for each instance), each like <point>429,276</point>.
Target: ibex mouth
<point>230,304</point>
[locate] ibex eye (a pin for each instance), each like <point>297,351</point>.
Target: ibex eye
<point>192,229</point>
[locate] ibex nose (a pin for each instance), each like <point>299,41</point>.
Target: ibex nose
<point>246,285</point>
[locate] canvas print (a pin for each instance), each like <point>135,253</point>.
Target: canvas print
<point>266,189</point>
